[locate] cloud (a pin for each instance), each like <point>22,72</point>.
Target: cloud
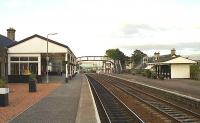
<point>130,29</point>
<point>140,30</point>
<point>179,46</point>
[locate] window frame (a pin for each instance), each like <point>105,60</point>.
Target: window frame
<point>20,61</point>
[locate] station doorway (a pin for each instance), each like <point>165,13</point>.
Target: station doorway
<point>56,66</point>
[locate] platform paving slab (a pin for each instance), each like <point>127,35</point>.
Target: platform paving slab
<point>87,110</point>
<point>61,106</point>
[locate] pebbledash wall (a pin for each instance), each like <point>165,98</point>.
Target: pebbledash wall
<point>28,54</point>
<point>180,71</point>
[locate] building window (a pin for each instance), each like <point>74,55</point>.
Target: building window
<point>23,58</point>
<point>33,58</point>
<point>33,67</point>
<point>14,68</point>
<point>23,65</point>
<point>24,70</point>
<point>14,58</point>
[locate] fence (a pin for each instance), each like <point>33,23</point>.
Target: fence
<point>195,76</point>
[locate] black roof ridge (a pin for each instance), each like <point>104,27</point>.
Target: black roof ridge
<point>170,55</point>
<point>39,36</point>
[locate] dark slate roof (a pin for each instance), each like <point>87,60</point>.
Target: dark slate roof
<point>44,38</point>
<point>5,42</point>
<point>168,57</point>
<point>164,58</point>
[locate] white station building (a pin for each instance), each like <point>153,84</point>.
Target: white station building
<point>31,54</point>
<point>171,65</point>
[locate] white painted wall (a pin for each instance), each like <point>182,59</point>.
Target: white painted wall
<point>180,71</point>
<point>37,45</point>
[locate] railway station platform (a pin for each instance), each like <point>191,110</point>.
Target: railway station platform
<point>71,103</point>
<point>186,87</point>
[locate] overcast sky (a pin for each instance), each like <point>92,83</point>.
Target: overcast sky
<point>89,27</point>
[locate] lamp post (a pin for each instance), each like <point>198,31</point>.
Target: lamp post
<point>47,58</point>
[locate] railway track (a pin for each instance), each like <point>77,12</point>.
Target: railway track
<point>172,111</point>
<point>115,110</point>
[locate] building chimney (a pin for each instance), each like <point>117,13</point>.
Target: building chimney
<point>173,52</point>
<point>11,34</point>
<point>156,55</point>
